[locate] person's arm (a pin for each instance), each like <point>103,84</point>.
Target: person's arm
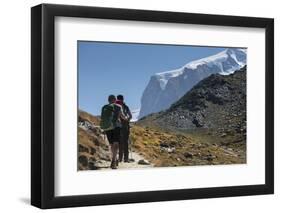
<point>130,114</point>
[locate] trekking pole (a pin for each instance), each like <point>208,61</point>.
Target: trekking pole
<point>131,151</point>
<point>131,148</point>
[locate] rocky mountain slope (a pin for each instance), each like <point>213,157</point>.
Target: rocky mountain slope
<point>206,126</point>
<point>218,101</point>
<point>166,88</point>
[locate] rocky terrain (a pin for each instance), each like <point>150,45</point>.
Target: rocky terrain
<point>217,102</point>
<point>93,149</point>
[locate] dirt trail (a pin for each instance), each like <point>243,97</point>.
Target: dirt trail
<point>133,164</point>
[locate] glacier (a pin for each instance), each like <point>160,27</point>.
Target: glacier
<point>165,88</point>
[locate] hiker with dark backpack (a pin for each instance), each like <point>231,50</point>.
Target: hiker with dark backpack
<point>111,114</point>
<point>125,130</point>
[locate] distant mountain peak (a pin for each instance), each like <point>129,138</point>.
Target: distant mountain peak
<point>210,60</point>
<point>167,87</point>
<point>163,77</point>
<point>213,60</point>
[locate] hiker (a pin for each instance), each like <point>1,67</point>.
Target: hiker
<point>111,116</point>
<point>125,130</point>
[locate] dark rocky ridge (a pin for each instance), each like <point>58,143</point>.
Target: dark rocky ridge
<point>218,102</point>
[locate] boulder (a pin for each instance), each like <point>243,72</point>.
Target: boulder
<point>188,155</point>
<point>83,160</point>
<point>143,162</point>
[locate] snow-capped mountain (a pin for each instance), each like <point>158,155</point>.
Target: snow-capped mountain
<point>135,115</point>
<point>167,87</point>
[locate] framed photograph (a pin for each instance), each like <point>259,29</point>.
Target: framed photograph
<point>139,106</point>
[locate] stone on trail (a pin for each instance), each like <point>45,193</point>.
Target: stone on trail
<point>143,162</point>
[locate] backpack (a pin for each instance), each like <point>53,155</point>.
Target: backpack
<point>107,117</point>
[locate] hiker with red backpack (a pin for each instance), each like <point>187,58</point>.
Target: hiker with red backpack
<point>111,115</point>
<point>125,130</point>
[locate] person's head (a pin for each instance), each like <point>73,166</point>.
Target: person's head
<point>111,98</point>
<point>120,98</point>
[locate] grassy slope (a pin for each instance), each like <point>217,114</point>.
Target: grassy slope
<point>164,148</point>
<point>88,117</point>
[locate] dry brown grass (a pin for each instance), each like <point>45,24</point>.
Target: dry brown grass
<point>88,117</point>
<point>179,149</point>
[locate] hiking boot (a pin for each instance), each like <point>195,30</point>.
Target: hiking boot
<point>114,164</point>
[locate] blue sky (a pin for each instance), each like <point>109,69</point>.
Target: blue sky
<point>125,68</point>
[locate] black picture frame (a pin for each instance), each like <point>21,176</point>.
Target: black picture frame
<point>43,102</point>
